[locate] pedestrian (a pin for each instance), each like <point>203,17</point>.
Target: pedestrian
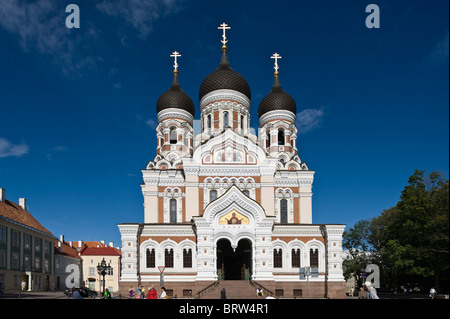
<point>152,293</point>
<point>24,285</point>
<point>139,292</point>
<point>143,292</point>
<point>259,292</point>
<point>371,292</point>
<point>76,294</point>
<point>107,294</point>
<point>362,294</point>
<point>433,292</point>
<point>223,294</point>
<point>163,293</point>
<point>131,292</point>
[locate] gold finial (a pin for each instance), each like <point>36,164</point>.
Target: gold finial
<point>276,56</point>
<point>175,55</point>
<point>224,40</point>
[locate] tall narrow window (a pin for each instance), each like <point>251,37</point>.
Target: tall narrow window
<point>212,195</point>
<point>168,258</point>
<point>173,135</point>
<point>208,119</point>
<point>225,120</point>
<point>283,211</point>
<point>187,258</point>
<point>314,257</point>
<point>268,138</point>
<point>151,258</point>
<point>242,122</point>
<point>278,258</point>
<point>280,136</point>
<point>173,210</point>
<point>296,258</point>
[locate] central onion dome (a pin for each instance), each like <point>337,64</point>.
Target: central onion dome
<point>224,77</point>
<point>175,98</point>
<point>277,99</point>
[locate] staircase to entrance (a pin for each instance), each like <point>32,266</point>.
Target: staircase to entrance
<point>235,289</point>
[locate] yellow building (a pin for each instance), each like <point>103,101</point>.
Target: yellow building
<point>92,257</point>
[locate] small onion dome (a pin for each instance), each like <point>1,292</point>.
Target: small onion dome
<point>277,99</point>
<point>175,98</point>
<point>224,77</point>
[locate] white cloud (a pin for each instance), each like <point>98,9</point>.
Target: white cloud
<point>8,149</point>
<point>152,123</point>
<point>438,56</point>
<point>140,14</point>
<point>40,26</point>
<point>309,119</point>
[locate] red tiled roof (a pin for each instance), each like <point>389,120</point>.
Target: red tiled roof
<point>100,251</point>
<point>16,213</point>
<point>66,250</point>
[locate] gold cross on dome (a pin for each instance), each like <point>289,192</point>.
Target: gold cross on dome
<point>224,27</point>
<point>175,55</point>
<point>276,56</point>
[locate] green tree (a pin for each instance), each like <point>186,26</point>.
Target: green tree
<point>410,241</point>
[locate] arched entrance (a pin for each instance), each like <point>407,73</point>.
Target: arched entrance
<point>234,264</point>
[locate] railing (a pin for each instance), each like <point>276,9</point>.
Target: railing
<point>266,291</point>
<point>206,289</point>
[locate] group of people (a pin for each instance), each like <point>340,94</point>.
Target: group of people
<point>367,292</point>
<point>151,294</point>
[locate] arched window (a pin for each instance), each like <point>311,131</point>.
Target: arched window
<point>242,122</point>
<point>212,195</point>
<point>168,258</point>
<point>268,138</point>
<point>225,120</point>
<point>173,135</point>
<point>280,136</point>
<point>150,258</point>
<point>173,210</point>
<point>283,211</point>
<point>314,257</point>
<point>296,258</point>
<point>278,258</point>
<point>187,258</point>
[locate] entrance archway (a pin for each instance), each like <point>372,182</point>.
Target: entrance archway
<point>234,264</point>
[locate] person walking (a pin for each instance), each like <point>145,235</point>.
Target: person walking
<point>371,292</point>
<point>163,293</point>
<point>152,293</point>
<point>223,294</point>
<point>107,294</point>
<point>433,292</point>
<point>362,294</point>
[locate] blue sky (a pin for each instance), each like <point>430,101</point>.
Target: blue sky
<point>78,106</point>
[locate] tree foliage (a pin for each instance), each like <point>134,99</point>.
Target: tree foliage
<point>410,241</point>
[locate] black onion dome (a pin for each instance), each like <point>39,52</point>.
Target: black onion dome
<point>277,99</point>
<point>224,77</point>
<point>175,98</point>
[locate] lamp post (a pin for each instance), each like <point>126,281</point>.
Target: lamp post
<point>103,269</point>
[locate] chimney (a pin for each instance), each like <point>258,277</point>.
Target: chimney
<point>2,195</point>
<point>23,203</point>
<point>80,243</point>
<point>111,244</point>
<point>61,238</point>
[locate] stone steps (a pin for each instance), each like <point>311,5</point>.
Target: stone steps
<point>235,289</point>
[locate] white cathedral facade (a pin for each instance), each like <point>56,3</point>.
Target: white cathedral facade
<point>226,204</point>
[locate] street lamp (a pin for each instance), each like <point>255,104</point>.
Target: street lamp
<point>103,269</point>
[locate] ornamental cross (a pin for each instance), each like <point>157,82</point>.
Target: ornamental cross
<point>224,27</point>
<point>276,56</point>
<point>175,55</point>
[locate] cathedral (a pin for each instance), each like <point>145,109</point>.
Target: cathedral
<point>227,205</point>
